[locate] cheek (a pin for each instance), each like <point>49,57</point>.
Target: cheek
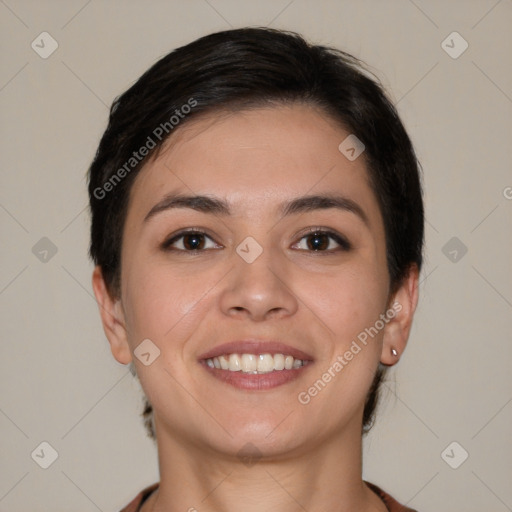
<point>166,307</point>
<point>348,301</point>
<point>165,304</point>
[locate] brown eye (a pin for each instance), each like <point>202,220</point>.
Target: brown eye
<point>317,241</point>
<point>323,241</point>
<point>190,241</point>
<point>193,242</point>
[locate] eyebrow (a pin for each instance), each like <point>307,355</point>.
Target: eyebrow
<point>217,206</point>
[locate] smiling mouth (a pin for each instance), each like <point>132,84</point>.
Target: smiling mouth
<point>255,364</point>
<point>256,372</point>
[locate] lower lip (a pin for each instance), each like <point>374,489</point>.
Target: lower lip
<point>256,382</point>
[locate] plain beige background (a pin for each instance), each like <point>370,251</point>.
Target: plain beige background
<point>60,384</point>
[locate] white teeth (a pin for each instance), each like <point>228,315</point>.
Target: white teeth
<point>278,362</point>
<point>255,364</point>
<point>297,363</point>
<point>249,363</point>
<point>265,363</point>
<point>235,363</point>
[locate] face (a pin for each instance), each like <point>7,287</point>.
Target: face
<point>254,268</point>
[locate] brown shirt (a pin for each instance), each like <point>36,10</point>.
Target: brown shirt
<point>391,504</point>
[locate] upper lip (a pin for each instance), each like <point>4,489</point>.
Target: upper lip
<point>256,347</point>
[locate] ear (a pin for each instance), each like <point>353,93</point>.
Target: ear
<point>112,317</point>
<point>396,333</point>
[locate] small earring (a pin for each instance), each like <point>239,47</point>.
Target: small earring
<point>394,352</point>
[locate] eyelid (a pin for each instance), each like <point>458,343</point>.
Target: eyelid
<point>166,244</point>
<point>341,240</point>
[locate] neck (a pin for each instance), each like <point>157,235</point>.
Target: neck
<point>326,476</point>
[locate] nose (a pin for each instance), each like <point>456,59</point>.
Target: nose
<point>258,290</point>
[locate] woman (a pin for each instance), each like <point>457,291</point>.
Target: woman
<point>257,231</point>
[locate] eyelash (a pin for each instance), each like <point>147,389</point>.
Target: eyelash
<point>343,243</point>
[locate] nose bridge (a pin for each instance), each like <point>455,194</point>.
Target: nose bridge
<point>256,286</point>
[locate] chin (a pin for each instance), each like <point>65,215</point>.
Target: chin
<point>259,437</point>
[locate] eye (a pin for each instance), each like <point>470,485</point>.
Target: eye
<point>189,241</point>
<point>321,240</point>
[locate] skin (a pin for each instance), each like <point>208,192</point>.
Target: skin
<point>186,304</point>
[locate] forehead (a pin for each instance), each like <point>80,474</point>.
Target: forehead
<point>255,159</point>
